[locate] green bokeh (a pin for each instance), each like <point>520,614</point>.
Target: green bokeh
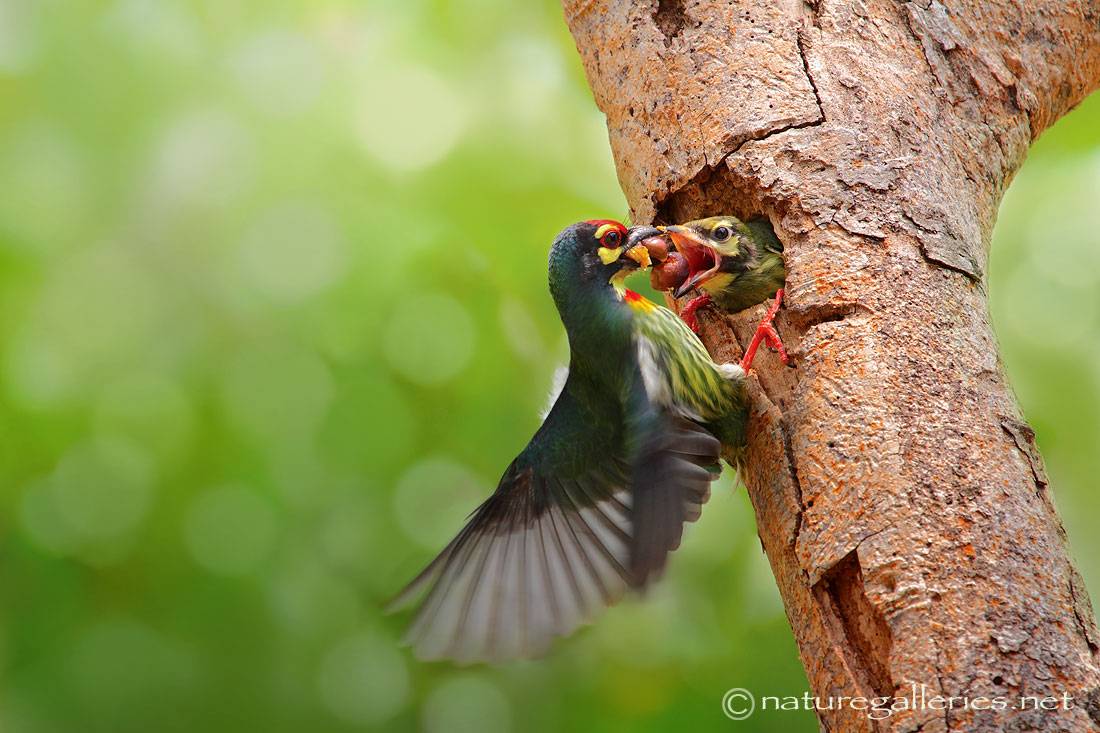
<point>273,317</point>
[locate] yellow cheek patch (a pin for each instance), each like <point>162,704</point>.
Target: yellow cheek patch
<point>607,256</point>
<point>716,284</point>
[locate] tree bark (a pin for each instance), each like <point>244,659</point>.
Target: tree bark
<point>898,492</point>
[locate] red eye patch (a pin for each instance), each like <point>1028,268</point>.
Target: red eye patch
<point>609,232</point>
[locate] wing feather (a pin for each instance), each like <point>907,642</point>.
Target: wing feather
<point>585,512</point>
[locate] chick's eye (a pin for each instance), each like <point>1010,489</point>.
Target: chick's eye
<point>611,239</point>
<point>721,233</point>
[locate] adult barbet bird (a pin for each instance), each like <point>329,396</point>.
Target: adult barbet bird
<point>733,264</point>
<point>598,498</point>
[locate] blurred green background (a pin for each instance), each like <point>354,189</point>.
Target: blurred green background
<point>273,319</point>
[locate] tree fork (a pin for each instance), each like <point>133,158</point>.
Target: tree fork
<point>898,492</point>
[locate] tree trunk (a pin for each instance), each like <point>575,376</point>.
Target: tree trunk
<point>898,492</point>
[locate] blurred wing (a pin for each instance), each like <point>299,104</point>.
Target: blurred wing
<point>677,459</point>
<point>553,546</point>
<point>542,555</point>
<point>671,482</point>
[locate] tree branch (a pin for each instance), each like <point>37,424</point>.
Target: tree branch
<point>898,492</point>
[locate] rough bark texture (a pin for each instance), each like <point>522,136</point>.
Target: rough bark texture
<point>898,492</point>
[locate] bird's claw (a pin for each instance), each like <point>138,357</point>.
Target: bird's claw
<point>766,333</point>
<point>687,313</point>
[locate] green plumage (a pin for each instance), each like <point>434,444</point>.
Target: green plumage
<point>759,278</point>
<point>750,261</point>
<point>714,395</point>
<point>597,499</point>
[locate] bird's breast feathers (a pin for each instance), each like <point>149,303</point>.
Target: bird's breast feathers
<point>638,302</point>
<point>676,369</point>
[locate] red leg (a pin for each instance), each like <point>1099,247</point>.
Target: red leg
<point>687,313</point>
<point>771,336</point>
<point>766,332</point>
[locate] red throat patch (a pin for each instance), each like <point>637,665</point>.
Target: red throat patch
<point>631,297</point>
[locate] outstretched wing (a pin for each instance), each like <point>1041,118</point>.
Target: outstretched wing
<point>560,539</point>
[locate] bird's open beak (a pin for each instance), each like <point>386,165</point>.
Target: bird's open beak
<point>703,260</point>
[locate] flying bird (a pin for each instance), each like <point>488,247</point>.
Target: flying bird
<point>596,501</point>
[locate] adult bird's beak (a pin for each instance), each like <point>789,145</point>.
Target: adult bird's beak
<point>638,253</point>
<point>646,244</point>
<point>703,260</point>
<point>642,244</point>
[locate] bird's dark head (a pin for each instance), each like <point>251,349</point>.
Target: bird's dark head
<point>712,245</point>
<point>596,252</point>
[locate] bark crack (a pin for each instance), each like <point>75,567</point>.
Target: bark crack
<point>930,256</point>
<point>869,535</point>
<point>792,469</point>
<point>1023,437</point>
<point>673,16</point>
<point>943,691</point>
<point>792,465</point>
<point>1086,630</point>
<point>800,41</point>
<point>1092,705</point>
<point>865,632</point>
<point>805,320</point>
<point>965,264</point>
